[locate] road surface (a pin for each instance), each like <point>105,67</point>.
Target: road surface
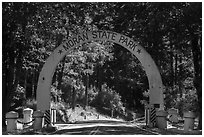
<point>101,128</point>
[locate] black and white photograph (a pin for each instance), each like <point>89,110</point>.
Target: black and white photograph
<point>101,68</point>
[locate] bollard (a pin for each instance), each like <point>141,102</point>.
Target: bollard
<point>38,116</point>
<point>161,119</point>
<point>27,115</point>
<point>11,118</point>
<point>189,120</point>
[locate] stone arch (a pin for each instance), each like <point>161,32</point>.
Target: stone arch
<point>152,72</point>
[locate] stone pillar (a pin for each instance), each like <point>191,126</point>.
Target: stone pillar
<point>161,119</point>
<point>173,115</point>
<point>11,118</point>
<point>189,120</point>
<point>38,116</point>
<point>27,115</point>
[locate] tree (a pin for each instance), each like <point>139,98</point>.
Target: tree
<point>194,28</point>
<point>170,32</point>
<point>14,22</point>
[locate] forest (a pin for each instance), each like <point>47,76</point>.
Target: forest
<point>101,73</point>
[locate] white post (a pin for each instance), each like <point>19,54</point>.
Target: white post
<point>161,119</point>
<point>147,114</point>
<point>53,116</point>
<point>38,116</point>
<point>27,115</point>
<point>11,118</point>
<point>189,120</point>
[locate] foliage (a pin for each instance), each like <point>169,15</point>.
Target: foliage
<point>110,99</point>
<point>170,32</point>
<point>18,98</point>
<point>125,74</point>
<point>60,107</point>
<point>92,95</point>
<point>55,94</point>
<point>31,103</point>
<point>188,102</point>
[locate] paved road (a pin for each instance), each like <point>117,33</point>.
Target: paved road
<point>101,128</point>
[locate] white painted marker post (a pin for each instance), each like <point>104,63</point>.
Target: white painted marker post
<point>27,115</point>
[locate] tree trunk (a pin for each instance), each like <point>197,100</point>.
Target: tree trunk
<point>4,91</point>
<point>99,82</point>
<point>7,87</point>
<point>33,83</point>
<point>86,91</point>
<point>197,60</point>
<point>172,65</point>
<point>73,98</point>
<point>25,82</point>
<point>16,79</point>
<point>100,79</point>
<point>175,71</point>
<point>172,68</point>
<point>60,75</point>
<point>10,82</point>
<point>180,80</point>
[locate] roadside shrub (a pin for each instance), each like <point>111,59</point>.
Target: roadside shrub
<point>18,99</point>
<point>55,94</point>
<point>110,99</point>
<point>61,108</point>
<point>187,103</point>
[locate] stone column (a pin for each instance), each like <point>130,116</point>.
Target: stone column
<point>161,119</point>
<point>189,120</point>
<point>11,118</point>
<point>38,116</point>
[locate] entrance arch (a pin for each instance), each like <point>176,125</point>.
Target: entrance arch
<point>152,72</point>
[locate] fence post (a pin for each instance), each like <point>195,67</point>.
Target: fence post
<point>11,118</point>
<point>38,116</point>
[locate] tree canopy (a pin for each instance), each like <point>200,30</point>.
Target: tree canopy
<point>170,32</point>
